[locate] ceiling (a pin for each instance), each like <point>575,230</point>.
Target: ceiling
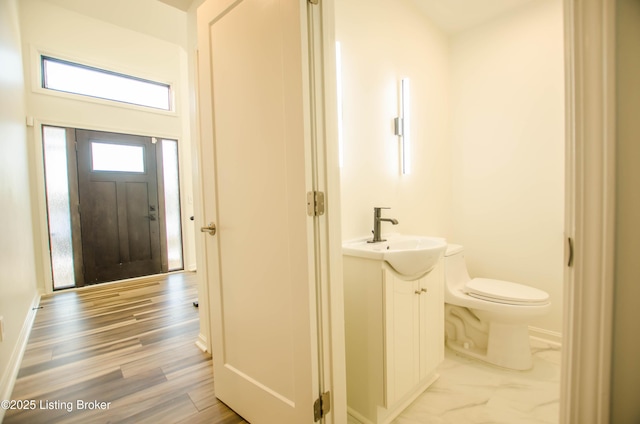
<point>457,15</point>
<point>449,15</point>
<point>180,4</point>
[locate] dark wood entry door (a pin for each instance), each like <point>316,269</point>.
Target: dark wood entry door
<point>119,211</point>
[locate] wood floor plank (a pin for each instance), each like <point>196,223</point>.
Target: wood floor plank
<point>169,411</point>
<point>203,397</point>
<point>165,353</point>
<point>130,345</point>
<point>155,396</point>
<point>36,356</point>
<point>219,413</point>
<point>59,361</point>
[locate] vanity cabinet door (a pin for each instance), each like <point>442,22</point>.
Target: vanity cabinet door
<point>414,331</point>
<point>402,336</point>
<point>431,321</point>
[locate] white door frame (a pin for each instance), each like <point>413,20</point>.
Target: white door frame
<point>330,295</point>
<point>590,197</point>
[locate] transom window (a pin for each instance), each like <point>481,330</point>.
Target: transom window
<point>70,77</point>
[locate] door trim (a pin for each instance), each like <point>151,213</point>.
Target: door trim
<point>324,126</point>
<point>589,214</point>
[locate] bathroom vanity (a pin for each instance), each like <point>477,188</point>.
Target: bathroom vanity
<point>394,335</point>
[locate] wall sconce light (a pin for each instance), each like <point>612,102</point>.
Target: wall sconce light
<point>340,118</point>
<point>403,127</point>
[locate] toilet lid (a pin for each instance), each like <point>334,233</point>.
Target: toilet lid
<point>505,292</point>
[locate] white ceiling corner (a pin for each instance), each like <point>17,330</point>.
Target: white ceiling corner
<point>179,4</point>
<point>457,15</point>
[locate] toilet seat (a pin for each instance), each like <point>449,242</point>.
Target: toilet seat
<point>505,292</point>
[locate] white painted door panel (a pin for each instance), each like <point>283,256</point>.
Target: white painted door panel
<point>255,180</point>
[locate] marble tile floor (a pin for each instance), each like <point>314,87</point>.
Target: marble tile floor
<point>469,391</point>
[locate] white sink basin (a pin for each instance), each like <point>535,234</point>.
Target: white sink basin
<point>407,255</point>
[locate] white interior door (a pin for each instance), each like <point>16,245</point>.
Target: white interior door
<point>255,168</point>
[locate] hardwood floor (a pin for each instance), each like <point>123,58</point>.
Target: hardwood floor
<point>127,347</point>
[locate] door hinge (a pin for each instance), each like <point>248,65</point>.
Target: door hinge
<point>322,406</point>
<point>315,203</point>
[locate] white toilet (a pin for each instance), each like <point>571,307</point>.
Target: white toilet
<point>488,319</point>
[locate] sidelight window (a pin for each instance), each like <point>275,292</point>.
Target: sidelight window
<point>171,182</point>
<point>57,189</point>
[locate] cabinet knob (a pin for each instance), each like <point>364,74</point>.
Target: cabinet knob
<point>423,290</point>
<point>418,292</point>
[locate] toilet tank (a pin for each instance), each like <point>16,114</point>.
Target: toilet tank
<point>455,268</point>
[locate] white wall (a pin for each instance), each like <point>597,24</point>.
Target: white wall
<point>149,17</point>
<point>488,130</point>
<point>507,146</point>
<point>381,43</point>
<point>61,32</point>
<point>625,383</point>
<point>17,262</point>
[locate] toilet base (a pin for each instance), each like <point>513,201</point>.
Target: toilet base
<point>502,344</point>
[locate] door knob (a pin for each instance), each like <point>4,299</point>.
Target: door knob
<point>211,229</point>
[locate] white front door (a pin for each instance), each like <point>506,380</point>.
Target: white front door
<point>256,170</point>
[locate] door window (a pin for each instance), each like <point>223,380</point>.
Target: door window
<point>117,157</point>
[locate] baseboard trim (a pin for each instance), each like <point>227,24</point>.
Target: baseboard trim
<point>552,337</point>
<point>202,343</point>
<point>354,417</point>
<point>8,379</point>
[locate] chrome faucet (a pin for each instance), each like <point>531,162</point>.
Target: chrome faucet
<point>377,219</point>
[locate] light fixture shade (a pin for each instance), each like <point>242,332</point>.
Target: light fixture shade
<point>404,127</point>
<point>339,105</point>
